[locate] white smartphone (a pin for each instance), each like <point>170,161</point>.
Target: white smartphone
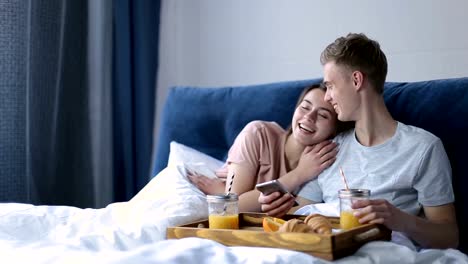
<point>272,186</point>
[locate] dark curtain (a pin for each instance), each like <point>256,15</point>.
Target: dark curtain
<point>77,93</point>
<point>135,50</point>
<point>58,148</point>
<point>48,148</point>
<point>13,182</point>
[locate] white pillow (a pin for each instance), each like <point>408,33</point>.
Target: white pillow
<point>193,160</point>
<point>169,199</point>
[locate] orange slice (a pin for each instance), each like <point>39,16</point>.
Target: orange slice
<point>272,224</point>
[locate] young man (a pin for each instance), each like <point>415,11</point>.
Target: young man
<point>406,168</point>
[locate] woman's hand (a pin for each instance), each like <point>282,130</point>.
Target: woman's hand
<point>316,158</point>
<point>205,184</point>
<point>275,204</point>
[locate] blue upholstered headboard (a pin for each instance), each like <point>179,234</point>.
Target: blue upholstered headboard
<point>208,119</point>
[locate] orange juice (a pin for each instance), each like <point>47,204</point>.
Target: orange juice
<point>348,199</point>
<point>224,221</point>
<point>348,220</point>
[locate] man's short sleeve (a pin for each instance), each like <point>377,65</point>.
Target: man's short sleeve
<point>434,180</point>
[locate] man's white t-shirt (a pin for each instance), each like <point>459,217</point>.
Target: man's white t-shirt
<point>409,170</point>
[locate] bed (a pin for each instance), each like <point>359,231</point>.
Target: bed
<point>197,128</point>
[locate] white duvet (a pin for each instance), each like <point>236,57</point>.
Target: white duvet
<point>134,232</point>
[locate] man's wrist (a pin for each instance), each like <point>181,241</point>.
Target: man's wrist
<point>408,223</point>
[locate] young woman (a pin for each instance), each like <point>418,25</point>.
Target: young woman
<point>264,151</point>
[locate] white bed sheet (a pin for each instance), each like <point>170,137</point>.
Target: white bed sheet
<point>134,232</point>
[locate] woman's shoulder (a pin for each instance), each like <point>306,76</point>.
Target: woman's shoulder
<point>263,126</point>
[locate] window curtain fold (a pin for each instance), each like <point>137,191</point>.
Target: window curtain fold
<point>77,86</point>
<point>54,147</point>
<point>135,54</point>
<point>68,115</point>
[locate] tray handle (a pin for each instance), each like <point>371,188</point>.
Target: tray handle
<point>369,234</point>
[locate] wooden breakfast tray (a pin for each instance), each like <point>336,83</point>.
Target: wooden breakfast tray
<point>250,233</point>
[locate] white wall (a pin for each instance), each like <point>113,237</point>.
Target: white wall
<point>219,43</point>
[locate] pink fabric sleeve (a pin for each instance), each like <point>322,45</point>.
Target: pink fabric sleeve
<point>247,147</point>
<point>255,148</point>
<point>244,151</point>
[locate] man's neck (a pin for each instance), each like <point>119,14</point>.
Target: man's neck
<point>375,124</point>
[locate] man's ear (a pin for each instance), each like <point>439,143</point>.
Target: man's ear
<point>358,79</point>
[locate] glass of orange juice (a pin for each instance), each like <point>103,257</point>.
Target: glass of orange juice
<point>347,197</point>
<point>223,211</point>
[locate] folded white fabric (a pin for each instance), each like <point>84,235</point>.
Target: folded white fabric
<point>327,209</point>
<point>168,200</point>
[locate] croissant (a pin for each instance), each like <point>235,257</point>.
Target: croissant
<point>319,223</point>
<point>295,225</point>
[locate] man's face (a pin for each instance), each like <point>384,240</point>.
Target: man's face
<point>341,93</point>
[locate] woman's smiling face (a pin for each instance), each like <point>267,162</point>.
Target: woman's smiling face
<point>314,119</point>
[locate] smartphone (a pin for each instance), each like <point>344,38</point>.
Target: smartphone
<point>272,186</point>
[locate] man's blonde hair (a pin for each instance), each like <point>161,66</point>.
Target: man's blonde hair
<point>358,52</point>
